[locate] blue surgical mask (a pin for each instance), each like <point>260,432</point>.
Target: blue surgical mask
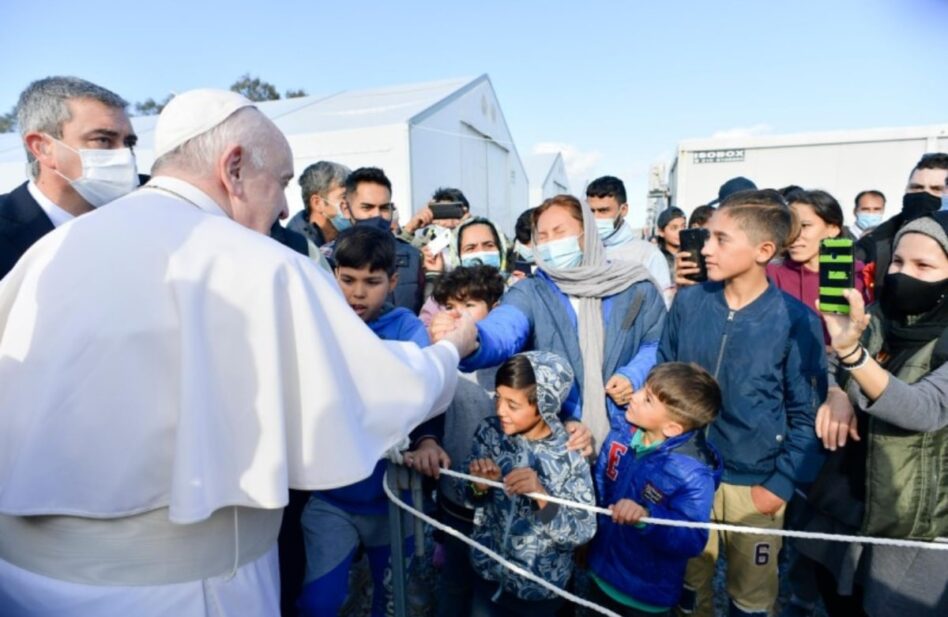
<point>563,253</point>
<point>481,258</point>
<point>867,220</point>
<point>340,222</point>
<point>606,228</point>
<point>620,236</point>
<point>524,251</point>
<point>944,201</point>
<point>376,221</point>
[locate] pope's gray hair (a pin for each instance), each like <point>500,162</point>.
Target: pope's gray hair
<point>43,107</point>
<point>246,127</point>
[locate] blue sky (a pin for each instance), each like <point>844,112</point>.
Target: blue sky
<point>615,84</point>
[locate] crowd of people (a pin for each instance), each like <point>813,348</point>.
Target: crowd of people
<point>195,417</point>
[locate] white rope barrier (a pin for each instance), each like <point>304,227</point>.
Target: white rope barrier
<point>493,555</point>
<point>786,533</point>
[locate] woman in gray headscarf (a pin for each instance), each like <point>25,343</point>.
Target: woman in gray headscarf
<point>604,318</point>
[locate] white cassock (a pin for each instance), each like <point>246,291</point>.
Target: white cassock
<point>160,363</point>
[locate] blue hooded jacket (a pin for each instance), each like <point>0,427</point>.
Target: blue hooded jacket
<point>536,314</point>
<point>770,362</point>
<point>367,496</point>
<point>675,481</point>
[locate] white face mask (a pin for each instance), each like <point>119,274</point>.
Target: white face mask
<point>106,174</point>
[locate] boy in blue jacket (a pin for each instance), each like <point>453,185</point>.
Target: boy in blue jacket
<point>765,349</point>
<point>664,468</point>
<point>338,522</point>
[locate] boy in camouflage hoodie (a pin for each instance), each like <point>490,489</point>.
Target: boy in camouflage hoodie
<point>525,444</point>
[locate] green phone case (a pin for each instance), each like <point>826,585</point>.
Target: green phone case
<point>837,273</point>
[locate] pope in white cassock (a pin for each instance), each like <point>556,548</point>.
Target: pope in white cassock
<point>167,372</point>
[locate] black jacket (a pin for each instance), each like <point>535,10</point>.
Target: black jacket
<point>876,247</point>
<point>22,223</point>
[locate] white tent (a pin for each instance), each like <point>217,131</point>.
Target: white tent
<point>547,174</point>
<point>427,135</point>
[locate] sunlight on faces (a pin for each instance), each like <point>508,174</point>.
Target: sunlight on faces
<point>928,180</point>
<point>729,251</point>
<point>332,204</point>
<point>369,200</point>
<point>558,222</point>
<point>476,238</point>
<point>92,125</point>
<point>806,248</point>
<point>477,309</point>
<point>257,196</point>
<point>606,207</point>
<point>647,412</point>
<point>365,290</point>
<point>671,232</point>
<point>870,204</point>
<point>920,257</point>
<point>517,415</point>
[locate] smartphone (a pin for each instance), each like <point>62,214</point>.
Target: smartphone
<point>447,210</point>
<point>523,266</point>
<point>837,274</point>
<point>691,241</point>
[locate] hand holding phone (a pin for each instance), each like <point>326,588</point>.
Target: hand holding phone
<point>837,274</point>
<point>692,241</point>
<point>447,210</point>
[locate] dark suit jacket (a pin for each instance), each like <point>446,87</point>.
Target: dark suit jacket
<point>22,223</point>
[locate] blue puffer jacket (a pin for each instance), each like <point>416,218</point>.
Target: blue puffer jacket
<point>769,360</point>
<point>535,314</point>
<point>676,481</point>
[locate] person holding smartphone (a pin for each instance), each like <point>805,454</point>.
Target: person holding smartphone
<point>820,217</point>
<point>798,274</point>
<point>894,368</point>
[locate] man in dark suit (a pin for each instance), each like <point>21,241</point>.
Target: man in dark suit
<point>78,142</point>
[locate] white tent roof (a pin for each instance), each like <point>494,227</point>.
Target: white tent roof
<point>344,110</point>
<point>540,166</point>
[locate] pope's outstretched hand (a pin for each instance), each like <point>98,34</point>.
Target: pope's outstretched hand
<point>463,335</point>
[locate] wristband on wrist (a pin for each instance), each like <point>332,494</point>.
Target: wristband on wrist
<point>859,363</point>
<point>478,492</point>
<point>851,353</point>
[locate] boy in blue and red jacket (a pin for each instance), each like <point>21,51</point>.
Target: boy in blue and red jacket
<point>662,468</point>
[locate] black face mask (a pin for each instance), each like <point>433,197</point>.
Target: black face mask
<point>386,225</point>
<point>915,205</point>
<point>904,295</point>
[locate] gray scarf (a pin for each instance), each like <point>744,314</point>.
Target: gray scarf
<point>594,279</point>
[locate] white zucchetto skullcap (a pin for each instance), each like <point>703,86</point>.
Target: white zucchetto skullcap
<point>192,113</point>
